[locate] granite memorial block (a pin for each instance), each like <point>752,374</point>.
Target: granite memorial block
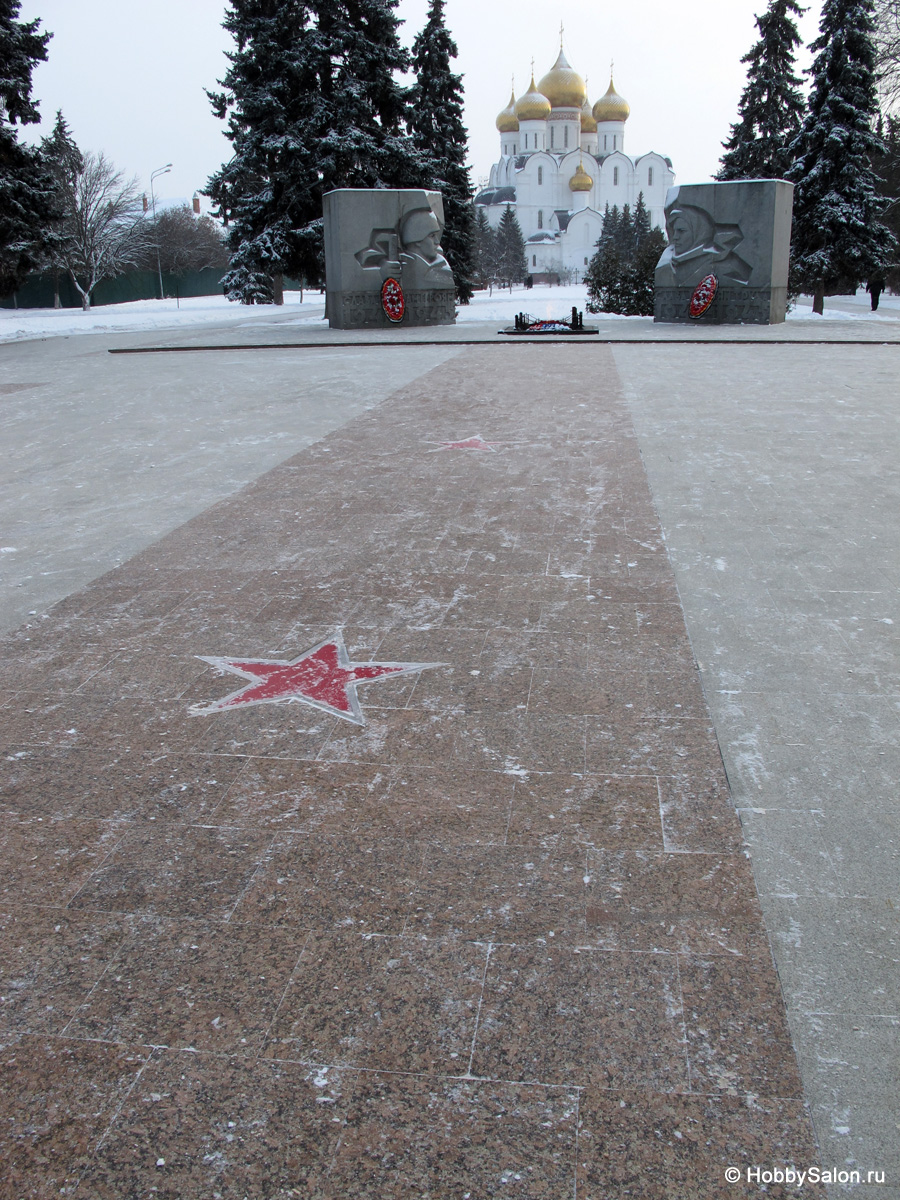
<point>383,259</point>
<point>727,258</point>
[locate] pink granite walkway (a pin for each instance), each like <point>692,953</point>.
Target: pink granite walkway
<point>480,927</point>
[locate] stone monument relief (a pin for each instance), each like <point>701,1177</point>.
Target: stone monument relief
<point>383,259</point>
<point>727,258</point>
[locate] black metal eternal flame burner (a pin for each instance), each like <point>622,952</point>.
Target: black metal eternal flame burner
<point>528,324</point>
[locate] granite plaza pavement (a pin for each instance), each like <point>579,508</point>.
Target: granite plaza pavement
<point>497,933</point>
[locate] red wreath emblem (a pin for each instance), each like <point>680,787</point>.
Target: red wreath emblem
<point>392,300</point>
<point>704,294</point>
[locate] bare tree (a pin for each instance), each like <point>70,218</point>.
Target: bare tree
<point>187,242</point>
<point>103,232</point>
<point>887,45</point>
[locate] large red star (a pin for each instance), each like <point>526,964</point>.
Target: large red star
<point>322,677</point>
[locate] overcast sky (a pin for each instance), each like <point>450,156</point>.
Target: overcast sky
<point>130,75</point>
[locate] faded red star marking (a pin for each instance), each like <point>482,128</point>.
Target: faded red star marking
<point>473,443</point>
<point>322,677</point>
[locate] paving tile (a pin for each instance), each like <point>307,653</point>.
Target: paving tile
<point>457,806</point>
<point>312,881</point>
<point>284,794</point>
<point>175,870</point>
<point>791,857</point>
<point>291,730</point>
<point>657,746</point>
<point>57,1098</point>
<point>558,1014</point>
<point>192,985</point>
<point>865,1156</point>
<point>207,1125</point>
<point>666,1147</point>
<point>106,724</point>
<point>153,669</point>
<point>49,962</point>
<point>385,1003</point>
<point>536,649</point>
<point>813,933</point>
<point>46,860</point>
<point>83,783</point>
<point>594,809</point>
<point>863,849</point>
<point>57,668</point>
<point>475,685</point>
<point>500,893</point>
<point>697,811</point>
<point>428,1137</point>
<point>518,741</point>
<point>392,736</point>
<point>700,903</point>
<point>737,1033</point>
<point>850,1056</point>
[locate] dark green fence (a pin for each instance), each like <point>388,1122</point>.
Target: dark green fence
<point>38,291</point>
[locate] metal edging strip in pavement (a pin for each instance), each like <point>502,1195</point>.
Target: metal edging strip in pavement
<point>524,341</point>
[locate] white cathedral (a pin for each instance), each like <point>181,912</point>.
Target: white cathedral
<point>561,162</point>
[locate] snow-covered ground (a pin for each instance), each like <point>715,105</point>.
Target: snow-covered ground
<point>542,301</point>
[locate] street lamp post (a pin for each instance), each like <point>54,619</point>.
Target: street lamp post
<point>160,171</point>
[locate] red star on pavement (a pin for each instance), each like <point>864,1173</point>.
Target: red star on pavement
<point>473,443</point>
<point>322,677</point>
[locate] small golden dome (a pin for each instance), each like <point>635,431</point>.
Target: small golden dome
<point>580,181</point>
<point>506,121</point>
<point>611,107</point>
<point>588,124</point>
<point>533,106</point>
<point>562,86</point>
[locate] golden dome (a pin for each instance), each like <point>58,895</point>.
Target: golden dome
<point>506,121</point>
<point>588,124</point>
<point>533,106</point>
<point>580,181</point>
<point>562,86</point>
<point>611,107</point>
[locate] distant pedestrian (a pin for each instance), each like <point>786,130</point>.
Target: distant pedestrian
<point>875,287</point>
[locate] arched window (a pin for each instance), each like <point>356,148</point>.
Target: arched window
<point>605,141</point>
<point>540,176</point>
<point>615,176</point>
<point>615,140</point>
<point>540,218</point>
<point>552,138</point>
<point>534,260</point>
<point>650,177</point>
<point>565,135</point>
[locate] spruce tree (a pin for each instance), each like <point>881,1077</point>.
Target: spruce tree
<point>485,250</point>
<point>887,169</point>
<point>837,239</point>
<point>26,189</point>
<point>312,104</point>
<point>65,162</point>
<point>511,264</point>
<point>771,106</point>
<point>436,124</point>
<point>640,222</point>
<point>620,277</point>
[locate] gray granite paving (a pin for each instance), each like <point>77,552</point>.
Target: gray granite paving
<point>775,476</point>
